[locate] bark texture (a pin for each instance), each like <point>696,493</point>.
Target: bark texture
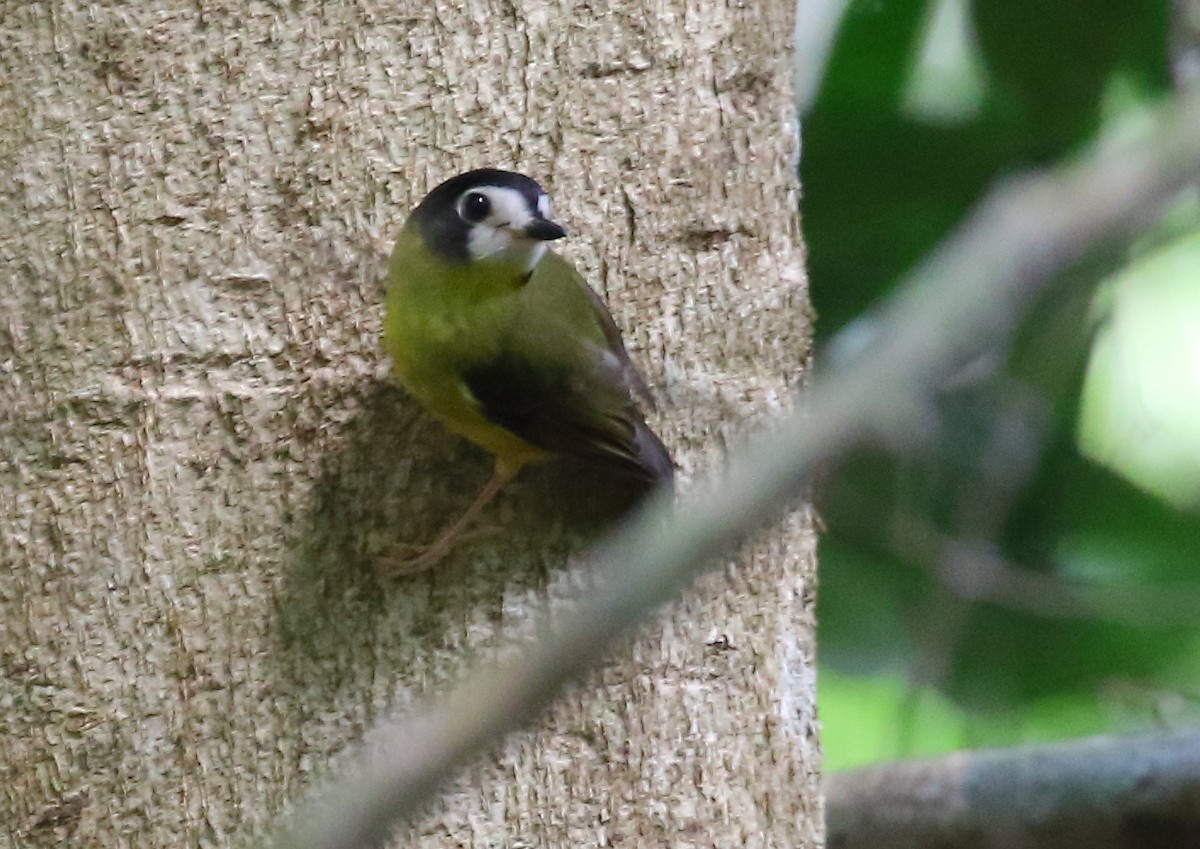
<point>200,454</point>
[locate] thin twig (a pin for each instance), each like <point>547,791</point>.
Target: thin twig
<point>974,570</point>
<point>952,307</point>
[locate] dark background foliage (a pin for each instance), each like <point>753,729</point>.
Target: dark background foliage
<point>990,580</point>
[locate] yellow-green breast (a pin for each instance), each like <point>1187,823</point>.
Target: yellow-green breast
<point>440,319</point>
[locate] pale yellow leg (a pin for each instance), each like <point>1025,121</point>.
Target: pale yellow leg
<point>454,532</point>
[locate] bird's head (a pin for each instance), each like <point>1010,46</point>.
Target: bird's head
<point>487,216</point>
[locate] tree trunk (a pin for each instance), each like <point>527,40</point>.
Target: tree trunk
<point>201,455</point>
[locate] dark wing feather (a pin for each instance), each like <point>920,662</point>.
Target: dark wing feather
<point>563,381</point>
<point>616,346</point>
<point>574,408</point>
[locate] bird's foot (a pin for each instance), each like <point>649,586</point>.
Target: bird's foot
<point>415,559</point>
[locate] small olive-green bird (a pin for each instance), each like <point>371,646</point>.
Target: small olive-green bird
<point>501,339</point>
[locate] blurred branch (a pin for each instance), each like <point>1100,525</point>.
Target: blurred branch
<point>817,24</point>
<point>1185,42</point>
<point>1135,792</point>
<point>975,570</point>
<point>953,306</point>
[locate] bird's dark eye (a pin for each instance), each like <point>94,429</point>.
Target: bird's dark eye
<point>475,207</point>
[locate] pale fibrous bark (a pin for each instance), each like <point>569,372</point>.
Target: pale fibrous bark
<point>200,453</point>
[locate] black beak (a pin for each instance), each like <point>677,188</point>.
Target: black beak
<point>543,230</point>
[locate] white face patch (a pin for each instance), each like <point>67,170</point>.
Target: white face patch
<point>501,234</point>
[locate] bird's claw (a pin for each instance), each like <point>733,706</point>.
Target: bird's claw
<point>423,558</point>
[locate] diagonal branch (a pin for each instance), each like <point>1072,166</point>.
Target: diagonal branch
<point>953,306</point>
